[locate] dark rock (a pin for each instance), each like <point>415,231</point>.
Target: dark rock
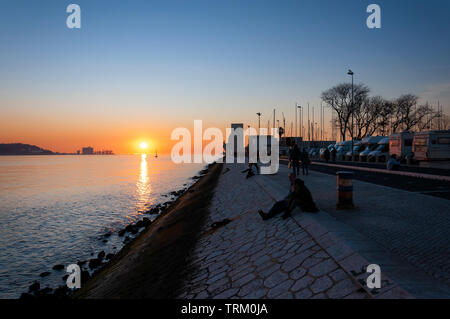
<point>196,177</point>
<point>58,267</point>
<point>107,235</point>
<point>122,232</point>
<point>132,229</point>
<point>140,224</point>
<point>81,263</point>
<point>109,256</point>
<point>61,292</point>
<point>85,276</point>
<point>65,277</point>
<point>146,222</point>
<point>35,286</point>
<point>101,255</point>
<point>25,296</point>
<point>154,210</point>
<point>94,263</point>
<point>104,241</point>
<point>45,291</point>
<point>44,274</point>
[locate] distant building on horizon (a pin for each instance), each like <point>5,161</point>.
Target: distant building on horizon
<point>87,150</point>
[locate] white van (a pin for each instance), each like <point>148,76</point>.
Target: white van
<point>381,153</point>
<point>372,144</point>
<point>432,146</point>
<point>401,144</point>
<point>342,149</point>
<point>358,147</point>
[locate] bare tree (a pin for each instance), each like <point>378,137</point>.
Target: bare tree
<point>384,117</point>
<point>376,115</point>
<point>371,112</point>
<point>408,114</point>
<point>339,98</point>
<point>425,117</point>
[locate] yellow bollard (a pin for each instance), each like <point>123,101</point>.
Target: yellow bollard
<point>345,190</point>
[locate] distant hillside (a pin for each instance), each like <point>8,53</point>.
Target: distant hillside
<point>22,149</point>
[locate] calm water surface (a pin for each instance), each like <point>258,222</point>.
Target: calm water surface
<point>56,209</point>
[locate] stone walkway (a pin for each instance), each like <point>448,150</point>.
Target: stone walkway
<point>405,233</point>
<point>252,259</point>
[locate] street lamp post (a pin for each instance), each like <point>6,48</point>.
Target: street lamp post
<point>259,122</point>
<point>350,72</point>
<point>300,118</point>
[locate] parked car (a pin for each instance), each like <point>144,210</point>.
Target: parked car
<point>343,148</point>
<point>371,144</point>
<point>431,146</point>
<point>381,153</point>
<point>331,147</point>
<point>313,153</point>
<point>358,146</point>
<point>401,144</point>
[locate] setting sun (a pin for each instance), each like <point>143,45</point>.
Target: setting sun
<point>144,145</point>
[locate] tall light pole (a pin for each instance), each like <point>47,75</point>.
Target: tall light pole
<point>309,126</point>
<point>295,135</point>
<point>259,122</point>
<point>350,72</point>
<point>300,118</point>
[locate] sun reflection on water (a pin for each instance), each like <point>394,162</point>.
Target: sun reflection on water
<point>143,187</point>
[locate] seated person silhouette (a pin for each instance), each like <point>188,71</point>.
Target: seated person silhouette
<point>300,196</point>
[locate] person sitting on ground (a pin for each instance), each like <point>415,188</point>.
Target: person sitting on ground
<point>281,205</point>
<point>300,196</point>
<point>393,164</point>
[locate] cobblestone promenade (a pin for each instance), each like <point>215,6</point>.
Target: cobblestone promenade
<point>250,258</point>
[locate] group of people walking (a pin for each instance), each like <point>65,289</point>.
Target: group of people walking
<point>297,158</point>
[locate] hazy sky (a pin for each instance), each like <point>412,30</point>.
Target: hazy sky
<point>138,69</point>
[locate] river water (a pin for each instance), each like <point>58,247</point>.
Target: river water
<point>56,209</point>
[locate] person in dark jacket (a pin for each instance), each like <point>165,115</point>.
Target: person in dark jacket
<point>282,205</point>
<point>300,196</point>
<point>305,162</point>
<point>333,155</point>
<point>294,159</point>
<point>326,154</point>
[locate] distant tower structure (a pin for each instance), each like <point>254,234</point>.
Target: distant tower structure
<point>235,126</point>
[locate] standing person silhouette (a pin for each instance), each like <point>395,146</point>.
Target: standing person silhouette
<point>305,162</point>
<point>294,158</point>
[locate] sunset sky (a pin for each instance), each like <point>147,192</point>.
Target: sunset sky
<point>138,69</point>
